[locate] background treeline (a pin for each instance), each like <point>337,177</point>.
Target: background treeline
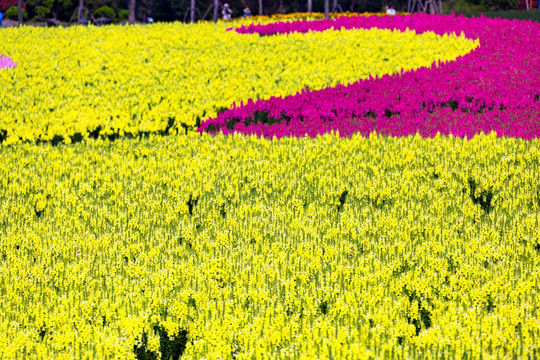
<point>171,10</point>
<point>174,10</point>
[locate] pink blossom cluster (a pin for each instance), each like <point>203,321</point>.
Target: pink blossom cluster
<point>6,62</point>
<point>496,87</point>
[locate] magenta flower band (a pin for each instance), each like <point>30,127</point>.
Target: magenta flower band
<point>496,87</point>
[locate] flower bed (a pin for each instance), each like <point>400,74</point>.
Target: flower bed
<point>494,88</point>
<point>132,81</point>
<point>220,247</point>
<point>238,246</point>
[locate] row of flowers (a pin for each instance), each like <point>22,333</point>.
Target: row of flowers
<point>494,88</point>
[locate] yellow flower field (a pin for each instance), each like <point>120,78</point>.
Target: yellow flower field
<point>76,83</point>
<point>126,235</point>
<point>241,247</point>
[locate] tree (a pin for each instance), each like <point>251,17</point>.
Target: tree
<point>260,7</point>
<point>81,11</point>
<point>19,9</point>
<point>41,9</point>
<point>179,8</point>
<point>310,6</point>
<point>327,9</point>
<point>131,20</point>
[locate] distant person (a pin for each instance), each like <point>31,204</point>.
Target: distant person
<point>247,12</point>
<point>226,12</point>
<point>390,11</point>
<point>1,17</point>
<point>149,20</point>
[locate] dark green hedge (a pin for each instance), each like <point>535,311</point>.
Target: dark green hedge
<point>533,15</point>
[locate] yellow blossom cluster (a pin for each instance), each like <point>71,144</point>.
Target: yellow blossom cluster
<point>242,247</point>
<point>77,83</point>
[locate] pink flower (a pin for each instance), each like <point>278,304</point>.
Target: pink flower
<point>6,63</point>
<point>494,88</point>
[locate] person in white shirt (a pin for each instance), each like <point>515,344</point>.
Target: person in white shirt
<point>390,11</point>
<point>226,12</point>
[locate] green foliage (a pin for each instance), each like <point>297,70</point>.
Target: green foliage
<point>481,196</point>
<point>171,348</point>
<point>13,14</point>
<point>105,11</point>
<point>6,4</point>
<point>94,5</point>
<point>39,8</point>
<point>123,15</point>
<point>169,10</point>
<point>42,11</point>
<point>491,8</point>
<point>500,4</point>
<point>462,6</point>
<point>533,15</point>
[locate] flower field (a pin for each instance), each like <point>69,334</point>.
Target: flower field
<point>495,88</point>
<point>116,81</point>
<point>295,248</point>
<point>158,197</point>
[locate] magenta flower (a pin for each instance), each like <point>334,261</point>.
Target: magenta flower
<point>494,88</point>
<point>6,62</point>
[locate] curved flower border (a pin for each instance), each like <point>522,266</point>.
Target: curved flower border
<point>6,62</point>
<point>496,87</point>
